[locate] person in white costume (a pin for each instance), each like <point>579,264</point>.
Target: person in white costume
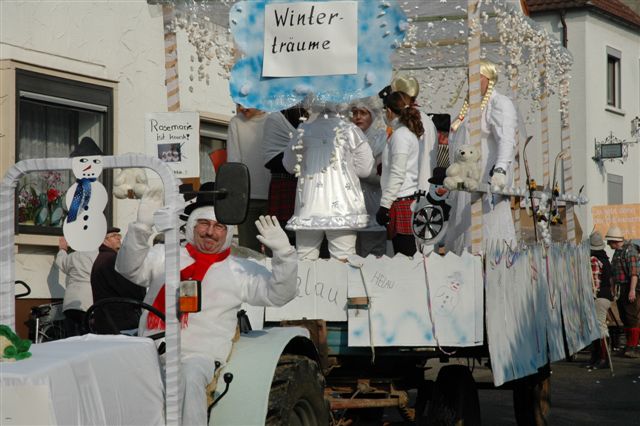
<point>244,145</point>
<point>429,139</point>
<point>227,282</point>
<point>330,156</point>
<point>365,114</point>
<point>499,123</point>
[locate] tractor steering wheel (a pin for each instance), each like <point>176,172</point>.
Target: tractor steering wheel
<point>101,305</point>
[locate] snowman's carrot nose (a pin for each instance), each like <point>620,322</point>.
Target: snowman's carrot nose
<point>86,168</point>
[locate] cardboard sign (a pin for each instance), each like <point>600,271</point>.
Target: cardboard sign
<point>401,310</point>
<point>322,293</point>
<point>626,216</point>
<point>174,138</point>
<point>310,39</point>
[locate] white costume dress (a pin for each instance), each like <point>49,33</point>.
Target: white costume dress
<point>329,198</point>
<point>226,285</point>
<point>499,122</point>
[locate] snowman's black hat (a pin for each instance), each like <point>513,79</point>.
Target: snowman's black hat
<point>205,197</point>
<point>439,173</point>
<point>85,148</point>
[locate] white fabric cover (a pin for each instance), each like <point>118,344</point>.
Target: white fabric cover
<point>499,122</point>
<point>77,267</point>
<point>244,142</point>
<point>93,380</point>
<point>335,155</point>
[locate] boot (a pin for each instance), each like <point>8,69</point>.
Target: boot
<point>604,356</point>
<point>595,353</point>
<point>633,336</point>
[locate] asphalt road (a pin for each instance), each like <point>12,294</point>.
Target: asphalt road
<point>579,396</point>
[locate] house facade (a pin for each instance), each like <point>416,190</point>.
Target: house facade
<point>604,38</point>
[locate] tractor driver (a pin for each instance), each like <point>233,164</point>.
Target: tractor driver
<point>227,282</point>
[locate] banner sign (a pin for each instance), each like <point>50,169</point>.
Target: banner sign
<point>310,39</point>
<point>174,137</point>
<point>626,216</point>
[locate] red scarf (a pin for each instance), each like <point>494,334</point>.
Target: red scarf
<point>195,271</point>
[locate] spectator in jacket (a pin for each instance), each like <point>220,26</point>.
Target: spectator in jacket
<point>601,278</point>
<point>77,296</point>
<point>625,266</point>
<point>106,282</point>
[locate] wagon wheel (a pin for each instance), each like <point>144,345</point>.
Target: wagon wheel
<point>428,224</point>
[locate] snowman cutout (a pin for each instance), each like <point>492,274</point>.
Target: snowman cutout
<point>448,296</point>
<point>85,225</point>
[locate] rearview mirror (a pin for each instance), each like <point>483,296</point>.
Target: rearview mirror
<point>232,198</point>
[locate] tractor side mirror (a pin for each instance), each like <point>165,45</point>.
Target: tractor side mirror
<point>232,198</point>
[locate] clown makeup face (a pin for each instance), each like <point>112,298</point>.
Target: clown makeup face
<point>87,167</point>
<point>361,117</point>
<point>209,236</point>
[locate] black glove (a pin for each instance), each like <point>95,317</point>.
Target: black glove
<point>382,216</point>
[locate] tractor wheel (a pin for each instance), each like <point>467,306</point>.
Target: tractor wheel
<point>297,394</point>
<point>531,399</point>
<point>454,399</point>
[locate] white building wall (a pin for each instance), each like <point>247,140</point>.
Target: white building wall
<point>117,41</point>
<point>589,35</point>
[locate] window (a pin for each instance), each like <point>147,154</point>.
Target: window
<point>613,78</point>
<point>52,115</point>
<point>614,189</point>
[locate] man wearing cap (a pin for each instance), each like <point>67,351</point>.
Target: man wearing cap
<point>603,293</point>
<point>625,266</point>
<point>106,282</point>
<point>227,282</point>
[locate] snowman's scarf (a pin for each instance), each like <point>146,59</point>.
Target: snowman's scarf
<point>195,271</point>
<point>80,197</point>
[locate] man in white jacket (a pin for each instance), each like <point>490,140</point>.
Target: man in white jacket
<point>227,282</point>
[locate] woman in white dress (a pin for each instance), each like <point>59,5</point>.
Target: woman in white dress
<point>329,156</point>
<point>499,122</point>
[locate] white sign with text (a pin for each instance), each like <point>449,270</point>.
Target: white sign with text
<point>322,293</point>
<point>174,138</point>
<point>310,39</point>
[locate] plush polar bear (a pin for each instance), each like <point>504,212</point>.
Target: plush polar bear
<point>129,183</point>
<point>465,170</point>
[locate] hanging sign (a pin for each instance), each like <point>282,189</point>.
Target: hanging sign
<point>310,39</point>
<point>626,216</point>
<point>174,138</point>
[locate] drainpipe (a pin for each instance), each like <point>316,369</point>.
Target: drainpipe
<point>565,31</point>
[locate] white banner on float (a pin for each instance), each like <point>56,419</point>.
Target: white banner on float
<point>310,39</point>
<point>322,293</point>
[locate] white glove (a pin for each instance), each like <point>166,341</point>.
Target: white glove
<point>272,235</point>
<point>150,202</point>
<point>498,181</point>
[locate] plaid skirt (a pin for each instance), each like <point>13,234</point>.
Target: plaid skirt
<point>282,196</point>
<point>400,215</point>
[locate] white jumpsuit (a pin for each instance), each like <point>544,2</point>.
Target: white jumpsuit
<point>499,122</point>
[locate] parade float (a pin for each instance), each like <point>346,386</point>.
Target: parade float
<point>360,335</point>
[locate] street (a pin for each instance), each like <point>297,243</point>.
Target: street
<point>579,396</point>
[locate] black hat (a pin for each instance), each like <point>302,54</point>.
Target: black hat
<point>85,148</point>
<point>205,197</point>
<point>439,173</point>
<point>112,229</point>
<point>384,93</point>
